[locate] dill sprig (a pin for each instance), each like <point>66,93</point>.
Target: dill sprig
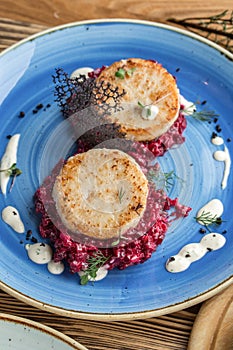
<point>121,193</point>
<point>94,263</point>
<point>205,115</point>
<point>164,180</point>
<point>206,219</point>
<point>218,28</point>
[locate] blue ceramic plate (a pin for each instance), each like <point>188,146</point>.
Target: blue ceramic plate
<point>20,333</point>
<point>204,72</point>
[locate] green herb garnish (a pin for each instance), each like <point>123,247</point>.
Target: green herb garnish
<point>206,219</point>
<point>145,107</point>
<point>121,194</point>
<point>205,116</point>
<point>94,263</point>
<point>122,72</point>
<point>164,180</point>
<point>12,170</point>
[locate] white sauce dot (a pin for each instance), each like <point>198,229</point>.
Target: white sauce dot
<point>56,268</point>
<point>81,71</point>
<point>220,156</point>
<point>39,253</point>
<point>213,208</point>
<point>11,217</point>
<point>217,141</point>
<point>149,112</point>
<point>101,274</point>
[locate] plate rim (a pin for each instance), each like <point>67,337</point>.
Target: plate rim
<point>122,20</point>
<point>121,315</point>
<point>43,328</point>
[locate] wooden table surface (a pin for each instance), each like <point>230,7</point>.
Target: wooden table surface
<point>18,20</point>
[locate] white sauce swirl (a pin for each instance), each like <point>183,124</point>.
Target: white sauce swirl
<point>39,253</point>
<point>9,158</point>
<point>11,217</point>
<point>194,251</point>
<point>224,156</point>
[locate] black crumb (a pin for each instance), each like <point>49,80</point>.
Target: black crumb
<point>172,258</point>
<point>202,230</point>
<point>29,233</point>
<point>215,120</point>
<point>21,114</point>
<point>48,105</point>
<point>203,102</point>
<point>177,69</point>
<point>225,231</point>
<point>39,106</point>
<point>34,240</point>
<point>42,244</point>
<point>209,249</point>
<point>21,242</point>
<point>214,135</point>
<point>8,137</point>
<point>229,139</point>
<point>35,111</point>
<point>187,255</point>
<point>218,128</point>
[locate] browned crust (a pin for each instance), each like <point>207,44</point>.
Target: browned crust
<point>148,82</point>
<point>78,215</point>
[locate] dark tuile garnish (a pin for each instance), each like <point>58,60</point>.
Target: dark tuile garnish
<point>87,104</point>
<point>72,94</point>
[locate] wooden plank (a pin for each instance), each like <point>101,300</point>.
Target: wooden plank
<point>169,332</point>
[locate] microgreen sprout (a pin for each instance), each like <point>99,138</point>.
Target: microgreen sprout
<point>121,72</point>
<point>94,263</point>
<point>13,172</point>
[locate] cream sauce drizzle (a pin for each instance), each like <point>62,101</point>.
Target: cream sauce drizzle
<point>11,217</point>
<point>9,158</point>
<point>194,251</point>
<point>222,156</point>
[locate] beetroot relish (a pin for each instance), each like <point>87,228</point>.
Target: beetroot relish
<point>137,251</point>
